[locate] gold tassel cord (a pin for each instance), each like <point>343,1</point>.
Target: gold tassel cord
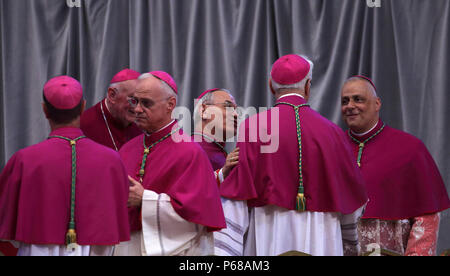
<point>71,237</point>
<point>300,202</point>
<point>71,240</point>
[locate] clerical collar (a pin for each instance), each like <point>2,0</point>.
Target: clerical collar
<point>365,133</point>
<point>291,94</point>
<point>106,104</point>
<point>209,139</point>
<point>164,127</point>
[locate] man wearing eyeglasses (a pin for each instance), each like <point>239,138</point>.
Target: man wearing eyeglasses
<point>111,121</point>
<point>173,199</point>
<point>215,122</point>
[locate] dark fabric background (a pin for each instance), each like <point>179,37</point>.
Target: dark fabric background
<point>403,46</point>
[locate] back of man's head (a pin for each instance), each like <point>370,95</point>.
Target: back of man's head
<point>290,74</point>
<point>63,99</point>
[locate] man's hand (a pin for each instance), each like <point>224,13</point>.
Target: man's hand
<point>231,162</point>
<point>136,193</point>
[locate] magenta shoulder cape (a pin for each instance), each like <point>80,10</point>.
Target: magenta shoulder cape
<point>94,127</point>
<point>215,154</point>
<point>35,193</point>
<point>332,180</point>
<point>180,170</point>
<point>401,176</point>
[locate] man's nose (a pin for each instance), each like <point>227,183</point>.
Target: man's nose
<point>138,108</point>
<point>350,105</point>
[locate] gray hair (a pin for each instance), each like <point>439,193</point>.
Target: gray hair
<point>371,85</point>
<point>299,85</point>
<point>167,89</point>
<point>116,85</point>
<point>207,99</point>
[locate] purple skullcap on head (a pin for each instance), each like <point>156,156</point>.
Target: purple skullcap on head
<point>207,92</point>
<point>367,79</point>
<point>63,92</point>
<point>290,69</point>
<point>166,78</point>
<point>125,75</point>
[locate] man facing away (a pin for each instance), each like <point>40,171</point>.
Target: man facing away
<point>111,121</point>
<point>307,194</point>
<point>406,191</point>
<point>66,195</point>
<point>215,121</point>
<point>174,200</point>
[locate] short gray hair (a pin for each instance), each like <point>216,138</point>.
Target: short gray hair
<point>358,78</point>
<point>167,89</point>
<point>299,85</point>
<point>206,99</point>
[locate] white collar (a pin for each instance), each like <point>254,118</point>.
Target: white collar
<point>148,134</point>
<point>106,104</point>
<point>362,134</point>
<point>291,94</point>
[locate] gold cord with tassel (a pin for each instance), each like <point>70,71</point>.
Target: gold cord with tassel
<point>71,235</point>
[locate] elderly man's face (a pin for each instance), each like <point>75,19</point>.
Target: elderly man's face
<point>126,111</point>
<point>154,108</point>
<point>223,107</point>
<point>359,105</point>
<point>119,107</point>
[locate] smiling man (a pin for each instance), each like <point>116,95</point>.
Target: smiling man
<point>308,195</point>
<point>174,200</point>
<point>406,191</point>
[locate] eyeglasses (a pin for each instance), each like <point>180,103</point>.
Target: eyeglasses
<point>145,103</point>
<point>225,104</point>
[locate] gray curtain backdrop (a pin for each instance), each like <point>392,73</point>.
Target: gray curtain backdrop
<point>403,45</point>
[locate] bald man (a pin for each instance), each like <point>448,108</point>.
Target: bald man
<point>406,191</point>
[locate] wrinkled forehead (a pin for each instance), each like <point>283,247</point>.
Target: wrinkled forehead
<point>221,96</point>
<point>128,86</point>
<point>357,87</point>
<point>148,87</point>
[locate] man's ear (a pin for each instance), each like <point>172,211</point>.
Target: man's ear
<point>112,94</point>
<point>271,87</point>
<point>307,89</point>
<point>202,111</point>
<point>171,103</point>
<point>44,108</point>
<point>378,104</point>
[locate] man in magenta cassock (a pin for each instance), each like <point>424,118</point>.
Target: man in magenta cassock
<point>215,122</point>
<point>111,121</point>
<point>300,190</point>
<point>174,200</point>
<point>66,195</point>
<point>406,191</point>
